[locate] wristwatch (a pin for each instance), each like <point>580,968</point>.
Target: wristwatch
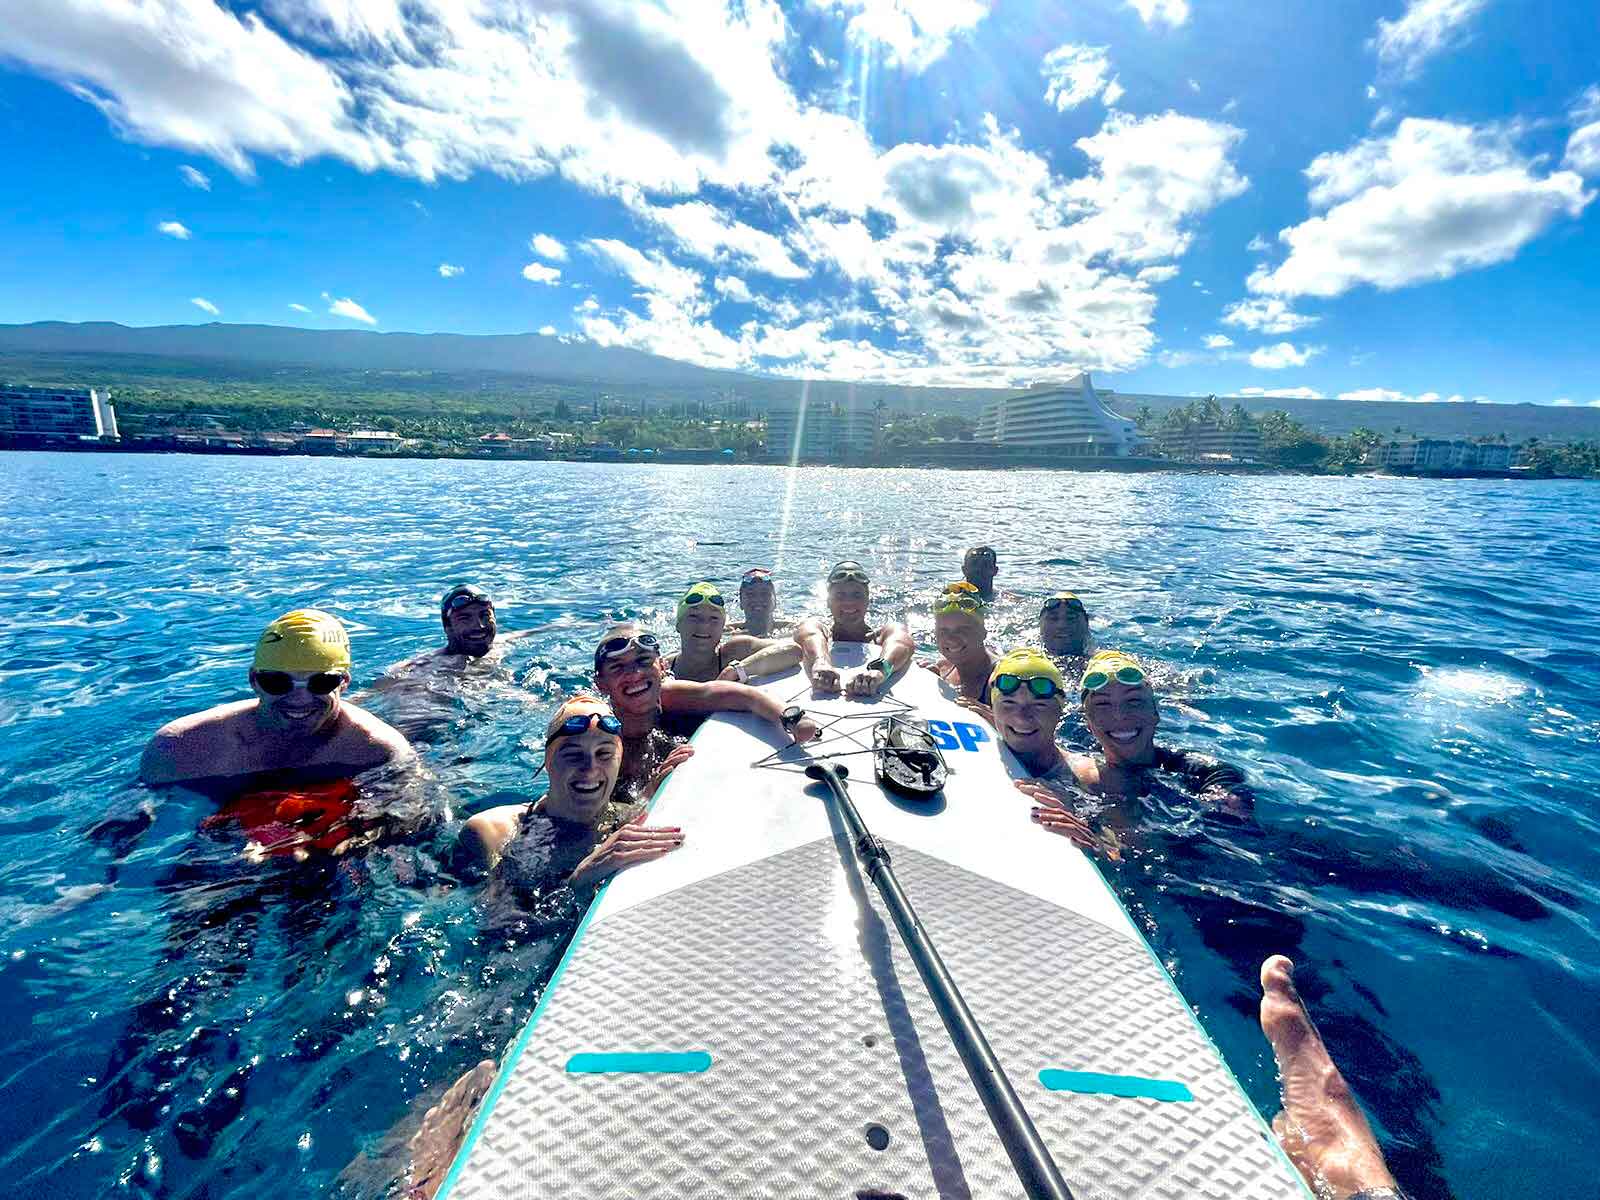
<point>792,716</point>
<point>878,664</point>
<point>739,671</point>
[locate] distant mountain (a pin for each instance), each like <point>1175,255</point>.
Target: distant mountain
<point>550,359</point>
<point>463,362</point>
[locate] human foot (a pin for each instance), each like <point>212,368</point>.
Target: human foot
<point>1322,1128</point>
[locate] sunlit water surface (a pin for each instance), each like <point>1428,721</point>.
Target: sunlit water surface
<point>1406,670</point>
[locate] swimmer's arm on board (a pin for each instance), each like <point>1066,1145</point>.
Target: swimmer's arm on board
<point>678,695</point>
<point>812,639</point>
<point>760,656</point>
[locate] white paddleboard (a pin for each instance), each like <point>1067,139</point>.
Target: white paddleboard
<point>739,1018</point>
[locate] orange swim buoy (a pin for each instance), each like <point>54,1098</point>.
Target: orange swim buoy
<point>315,817</point>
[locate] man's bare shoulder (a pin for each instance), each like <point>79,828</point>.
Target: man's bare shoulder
<point>361,728</point>
<point>190,746</point>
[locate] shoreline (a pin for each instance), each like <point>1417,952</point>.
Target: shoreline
<point>715,458</point>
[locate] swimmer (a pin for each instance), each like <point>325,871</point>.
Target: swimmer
<point>758,599</point>
<point>958,630</point>
<point>470,634</point>
<point>297,719</point>
<point>705,655</point>
<point>1321,1128</point>
<point>561,840</point>
<point>564,838</point>
<point>848,594</point>
<point>1120,708</point>
<point>979,567</point>
<point>1064,626</point>
<point>658,712</point>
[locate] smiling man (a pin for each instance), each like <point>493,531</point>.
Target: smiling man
<point>297,720</point>
<point>849,592</point>
<point>962,637</point>
<point>1064,626</point>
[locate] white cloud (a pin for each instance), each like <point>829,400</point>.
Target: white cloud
<point>706,233</point>
<point>547,331</point>
<point>546,246</point>
<point>1427,202</point>
<point>195,178</point>
<point>1294,393</point>
<point>1158,274</point>
<point>205,305</point>
<point>1153,176</point>
<point>1218,341</point>
<point>1077,74</point>
<point>1166,12</point>
<point>912,33</point>
<point>450,270</point>
<point>348,308</point>
<point>1258,245</point>
<point>1282,354</point>
<point>1583,147</point>
<point>1266,316</point>
<point>1426,28</point>
<point>539,273</point>
<point>299,308</point>
<point>175,229</point>
<point>731,287</point>
<point>1387,394</point>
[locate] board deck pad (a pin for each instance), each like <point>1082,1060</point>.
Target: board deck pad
<point>762,946</point>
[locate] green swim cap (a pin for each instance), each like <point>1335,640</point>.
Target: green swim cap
<point>701,593</point>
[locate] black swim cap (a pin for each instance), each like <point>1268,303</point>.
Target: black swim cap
<point>463,593</point>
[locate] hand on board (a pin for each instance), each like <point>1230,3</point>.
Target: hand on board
<point>805,730</point>
<point>679,756</point>
<point>866,683</point>
<point>982,710</point>
<point>632,844</point>
<point>825,680</point>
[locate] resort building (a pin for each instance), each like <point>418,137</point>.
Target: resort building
<point>35,412</point>
<point>1438,454</point>
<point>821,433</point>
<point>1070,418</point>
<point>1210,442</point>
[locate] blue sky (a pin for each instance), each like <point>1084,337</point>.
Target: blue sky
<point>1394,199</point>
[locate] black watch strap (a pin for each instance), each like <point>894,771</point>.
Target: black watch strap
<point>792,716</point>
<point>878,664</point>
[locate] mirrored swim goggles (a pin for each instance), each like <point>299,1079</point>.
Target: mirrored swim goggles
<point>643,641</point>
<point>981,552</point>
<point>754,576</point>
<point>693,598</point>
<point>1041,686</point>
<point>580,722</point>
<point>1072,603</point>
<point>848,572</point>
<point>1128,674</point>
<point>281,683</point>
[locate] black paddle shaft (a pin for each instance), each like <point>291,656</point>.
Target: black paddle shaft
<point>1041,1179</point>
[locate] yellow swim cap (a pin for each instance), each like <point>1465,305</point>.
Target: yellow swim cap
<point>306,639</point>
<point>1028,663</point>
<point>700,593</point>
<point>1107,665</point>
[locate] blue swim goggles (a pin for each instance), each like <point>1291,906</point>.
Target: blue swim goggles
<point>580,722</point>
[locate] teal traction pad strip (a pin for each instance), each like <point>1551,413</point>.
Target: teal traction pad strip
<point>688,1062</point>
<point>1092,1083</point>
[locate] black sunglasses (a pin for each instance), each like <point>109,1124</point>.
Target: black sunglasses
<point>281,683</point>
<point>645,641</point>
<point>463,599</point>
<point>1056,602</point>
<point>579,722</point>
<point>694,598</point>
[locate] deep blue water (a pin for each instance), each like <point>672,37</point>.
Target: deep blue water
<point>1405,668</point>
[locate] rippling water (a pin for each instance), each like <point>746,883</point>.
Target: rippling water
<point>1406,670</point>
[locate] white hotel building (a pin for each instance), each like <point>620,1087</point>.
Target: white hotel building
<point>1070,419</point>
<point>45,412</point>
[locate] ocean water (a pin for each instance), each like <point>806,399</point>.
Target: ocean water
<point>1406,670</point>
